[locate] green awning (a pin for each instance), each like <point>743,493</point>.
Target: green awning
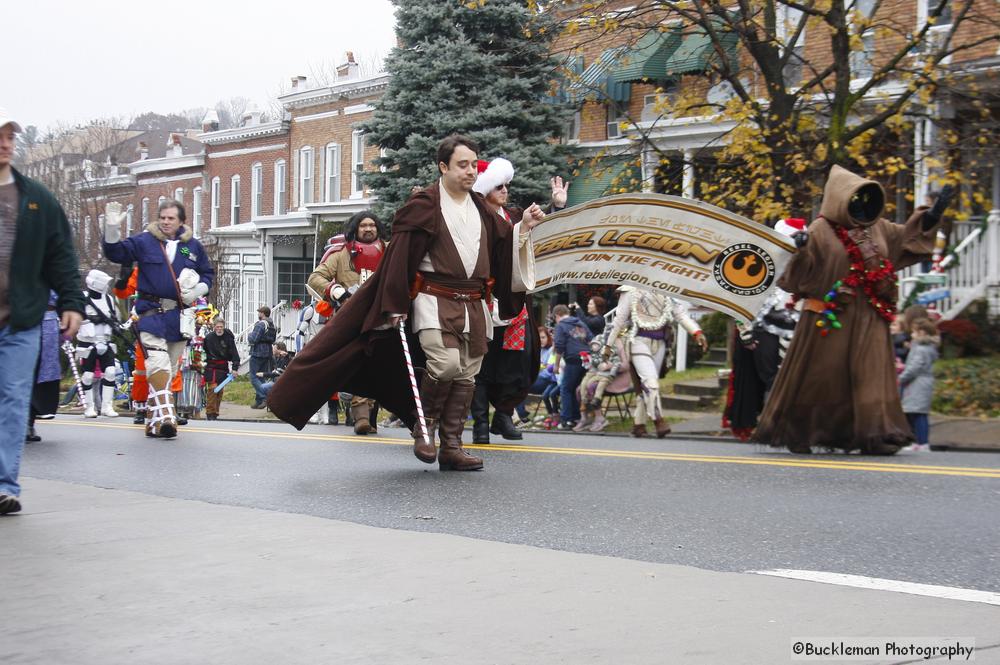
<point>648,58</point>
<point>607,177</point>
<point>694,54</point>
<point>573,68</point>
<point>597,83</point>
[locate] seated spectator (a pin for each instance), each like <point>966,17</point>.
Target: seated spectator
<point>600,373</point>
<point>545,385</point>
<point>280,360</point>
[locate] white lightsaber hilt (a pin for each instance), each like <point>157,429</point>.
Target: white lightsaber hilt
<point>413,381</point>
<point>71,354</point>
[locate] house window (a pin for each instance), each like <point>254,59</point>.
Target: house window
<point>331,179</point>
<point>571,134</point>
<point>616,117</point>
<point>256,190</point>
<point>196,212</point>
<point>292,277</point>
<point>214,215</point>
<point>234,200</point>
<point>179,195</point>
<point>357,162</point>
<point>306,162</point>
<point>280,193</point>
<point>787,23</point>
<point>861,59</point>
<point>159,202</point>
<point>129,217</point>
<point>144,213</point>
<point>86,232</point>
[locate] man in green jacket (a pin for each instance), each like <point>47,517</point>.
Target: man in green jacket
<point>36,256</point>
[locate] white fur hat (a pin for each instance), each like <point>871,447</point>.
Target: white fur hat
<point>498,172</point>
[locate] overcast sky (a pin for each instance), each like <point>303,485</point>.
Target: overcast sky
<point>70,61</point>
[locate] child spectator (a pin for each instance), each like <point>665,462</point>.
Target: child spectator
<point>571,338</point>
<point>917,380</point>
<point>600,372</point>
<point>546,384</point>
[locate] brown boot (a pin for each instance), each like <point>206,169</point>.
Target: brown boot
<point>662,427</point>
<point>881,448</point>
<point>452,456</point>
<point>359,412</point>
<point>639,431</point>
<point>433,394</point>
<point>163,422</point>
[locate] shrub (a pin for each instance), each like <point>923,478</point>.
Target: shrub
<point>960,337</point>
<point>967,387</point>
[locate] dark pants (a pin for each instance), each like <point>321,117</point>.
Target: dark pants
<point>545,387</point>
<point>569,408</point>
<point>259,365</point>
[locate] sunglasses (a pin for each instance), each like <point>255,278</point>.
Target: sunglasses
<point>504,186</point>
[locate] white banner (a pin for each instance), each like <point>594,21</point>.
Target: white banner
<point>681,247</point>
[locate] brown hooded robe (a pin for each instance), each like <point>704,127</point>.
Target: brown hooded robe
<point>352,354</point>
<point>840,391</point>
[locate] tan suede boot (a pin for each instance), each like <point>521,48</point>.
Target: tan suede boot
<point>662,427</point>
<point>433,394</point>
<point>452,457</point>
<point>360,414</point>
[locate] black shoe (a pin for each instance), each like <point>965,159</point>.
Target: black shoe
<point>31,437</point>
<point>481,432</point>
<point>140,417</point>
<point>182,421</point>
<point>9,504</point>
<point>503,425</point>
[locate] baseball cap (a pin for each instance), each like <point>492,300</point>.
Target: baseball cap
<point>5,119</point>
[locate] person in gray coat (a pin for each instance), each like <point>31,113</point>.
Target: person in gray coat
<point>917,379</point>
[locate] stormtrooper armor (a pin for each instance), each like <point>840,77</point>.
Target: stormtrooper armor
<point>94,346</point>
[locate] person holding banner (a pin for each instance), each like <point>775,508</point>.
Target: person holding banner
<point>450,254</point>
<point>837,386</point>
<point>647,319</point>
<point>222,358</point>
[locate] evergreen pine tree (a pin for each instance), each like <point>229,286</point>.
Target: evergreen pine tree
<point>482,69</point>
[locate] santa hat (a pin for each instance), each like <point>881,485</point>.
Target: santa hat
<point>790,226</point>
<point>498,172</point>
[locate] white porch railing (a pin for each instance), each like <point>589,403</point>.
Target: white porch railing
<point>972,273</point>
<point>277,312</point>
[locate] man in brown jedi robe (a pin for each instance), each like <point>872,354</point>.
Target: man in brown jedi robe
<point>449,250</point>
<point>837,385</point>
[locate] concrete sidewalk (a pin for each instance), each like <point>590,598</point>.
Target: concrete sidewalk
<point>105,577</point>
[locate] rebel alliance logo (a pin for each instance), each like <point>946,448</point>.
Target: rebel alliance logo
<point>744,269</point>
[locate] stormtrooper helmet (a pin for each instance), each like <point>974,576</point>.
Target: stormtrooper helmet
<point>98,281</point>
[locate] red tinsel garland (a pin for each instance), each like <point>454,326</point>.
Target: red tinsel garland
<point>868,280</point>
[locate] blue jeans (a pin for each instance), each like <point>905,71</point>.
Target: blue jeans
<point>259,365</point>
<point>18,355</point>
<point>921,426</point>
<point>543,386</point>
<point>569,403</point>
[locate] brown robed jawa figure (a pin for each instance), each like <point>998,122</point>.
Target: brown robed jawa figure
<point>837,385</point>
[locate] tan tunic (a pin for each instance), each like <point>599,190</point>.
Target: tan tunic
<point>337,270</point>
<point>840,391</point>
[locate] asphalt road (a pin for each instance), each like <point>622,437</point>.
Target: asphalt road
<point>928,518</point>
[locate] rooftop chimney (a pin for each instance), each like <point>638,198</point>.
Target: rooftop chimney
<point>143,151</point>
<point>298,81</point>
<point>174,143</point>
<point>251,116</point>
<point>349,69</point>
<point>210,123</point>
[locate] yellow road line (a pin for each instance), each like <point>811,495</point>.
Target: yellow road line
<point>809,463</point>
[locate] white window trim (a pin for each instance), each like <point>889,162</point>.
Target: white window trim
<point>307,176</point>
<point>234,200</point>
<point>159,201</point>
<point>145,213</point>
<point>256,189</point>
<point>196,212</point>
<point>280,186</point>
<point>179,195</point>
<point>129,219</point>
<point>331,194</point>
<point>216,202</point>
<point>357,164</point>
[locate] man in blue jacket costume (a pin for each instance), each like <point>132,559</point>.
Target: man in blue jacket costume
<point>165,253</point>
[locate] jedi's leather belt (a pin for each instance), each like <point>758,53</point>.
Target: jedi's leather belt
<point>464,290</point>
<point>162,304</point>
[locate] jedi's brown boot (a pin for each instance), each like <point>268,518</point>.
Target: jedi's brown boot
<point>163,422</point>
<point>433,394</point>
<point>639,431</point>
<point>662,427</point>
<point>452,457</point>
<point>360,414</point>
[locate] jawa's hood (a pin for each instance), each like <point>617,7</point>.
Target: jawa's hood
<point>850,200</point>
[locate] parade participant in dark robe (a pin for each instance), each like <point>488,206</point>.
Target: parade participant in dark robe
<point>757,350</point>
<point>341,275</point>
<point>512,362</point>
<point>837,385</point>
<point>450,253</point>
